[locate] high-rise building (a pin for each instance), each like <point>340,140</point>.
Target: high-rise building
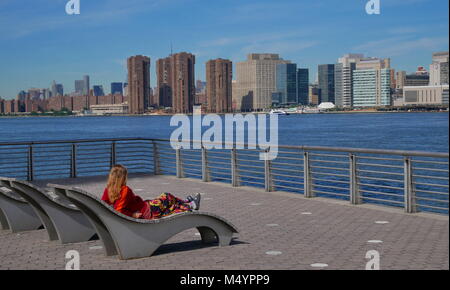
<point>200,87</point>
<point>277,99</point>
<point>98,91</point>
<point>183,88</point>
<point>57,89</point>
<point>21,96</point>
<point>117,88</point>
<point>343,79</point>
<point>303,86</point>
<point>314,95</point>
<point>286,83</point>
<point>326,83</point>
<point>256,81</point>
<point>164,76</point>
<point>414,80</point>
<point>79,87</point>
<point>400,80</point>
<point>439,69</point>
<point>9,106</point>
<point>87,86</point>
<point>46,94</point>
<point>393,80</point>
<point>372,83</point>
<point>138,83</point>
<point>125,89</point>
<point>219,74</point>
<point>176,82</point>
<point>34,94</point>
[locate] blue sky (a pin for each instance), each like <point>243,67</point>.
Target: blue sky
<point>39,42</point>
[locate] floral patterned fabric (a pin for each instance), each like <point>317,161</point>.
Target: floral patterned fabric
<point>165,205</point>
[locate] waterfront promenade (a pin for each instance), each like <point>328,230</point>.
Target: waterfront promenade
<point>277,231</point>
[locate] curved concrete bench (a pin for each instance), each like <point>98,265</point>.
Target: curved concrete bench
<point>3,221</point>
<point>16,214</point>
<point>137,238</point>
<point>62,220</point>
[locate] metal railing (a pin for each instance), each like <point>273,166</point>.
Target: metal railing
<point>416,181</point>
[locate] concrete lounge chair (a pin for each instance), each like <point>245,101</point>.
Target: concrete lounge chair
<point>137,238</point>
<point>62,220</point>
<point>3,221</point>
<point>16,214</point>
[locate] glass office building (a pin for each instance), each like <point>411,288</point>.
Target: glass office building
<point>98,91</point>
<point>303,86</point>
<point>286,83</point>
<point>116,88</point>
<point>326,83</point>
<point>371,88</point>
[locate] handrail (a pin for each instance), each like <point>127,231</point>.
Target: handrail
<point>422,188</point>
<point>299,147</point>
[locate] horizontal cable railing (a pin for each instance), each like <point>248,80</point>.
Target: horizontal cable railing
<point>416,181</point>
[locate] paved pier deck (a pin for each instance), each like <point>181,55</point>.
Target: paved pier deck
<point>277,231</point>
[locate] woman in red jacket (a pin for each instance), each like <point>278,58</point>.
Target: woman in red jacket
<point>122,198</point>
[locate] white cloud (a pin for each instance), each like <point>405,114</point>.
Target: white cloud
<point>272,42</point>
<point>396,46</point>
<point>98,13</point>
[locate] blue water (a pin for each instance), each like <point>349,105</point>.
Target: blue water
<point>397,131</point>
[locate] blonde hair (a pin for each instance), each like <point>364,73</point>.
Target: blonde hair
<point>117,178</point>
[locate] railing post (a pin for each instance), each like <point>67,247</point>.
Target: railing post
<point>355,197</point>
<point>307,175</point>
<point>268,184</point>
<point>30,172</point>
<point>234,169</point>
<point>73,161</point>
<point>156,164</point>
<point>113,154</point>
<point>410,199</point>
<point>205,169</point>
<point>179,162</point>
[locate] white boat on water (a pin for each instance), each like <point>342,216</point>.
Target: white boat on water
<point>278,112</point>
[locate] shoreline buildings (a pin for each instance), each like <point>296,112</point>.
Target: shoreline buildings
<point>303,86</point>
<point>439,69</point>
<point>436,92</point>
<point>176,82</point>
<point>256,81</point>
<point>326,83</point>
<point>286,85</point>
<point>262,81</point>
<point>138,84</point>
<point>343,78</point>
<point>116,88</point>
<point>219,75</point>
<point>372,83</point>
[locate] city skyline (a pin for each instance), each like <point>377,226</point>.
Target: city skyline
<point>114,30</point>
<point>262,82</point>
